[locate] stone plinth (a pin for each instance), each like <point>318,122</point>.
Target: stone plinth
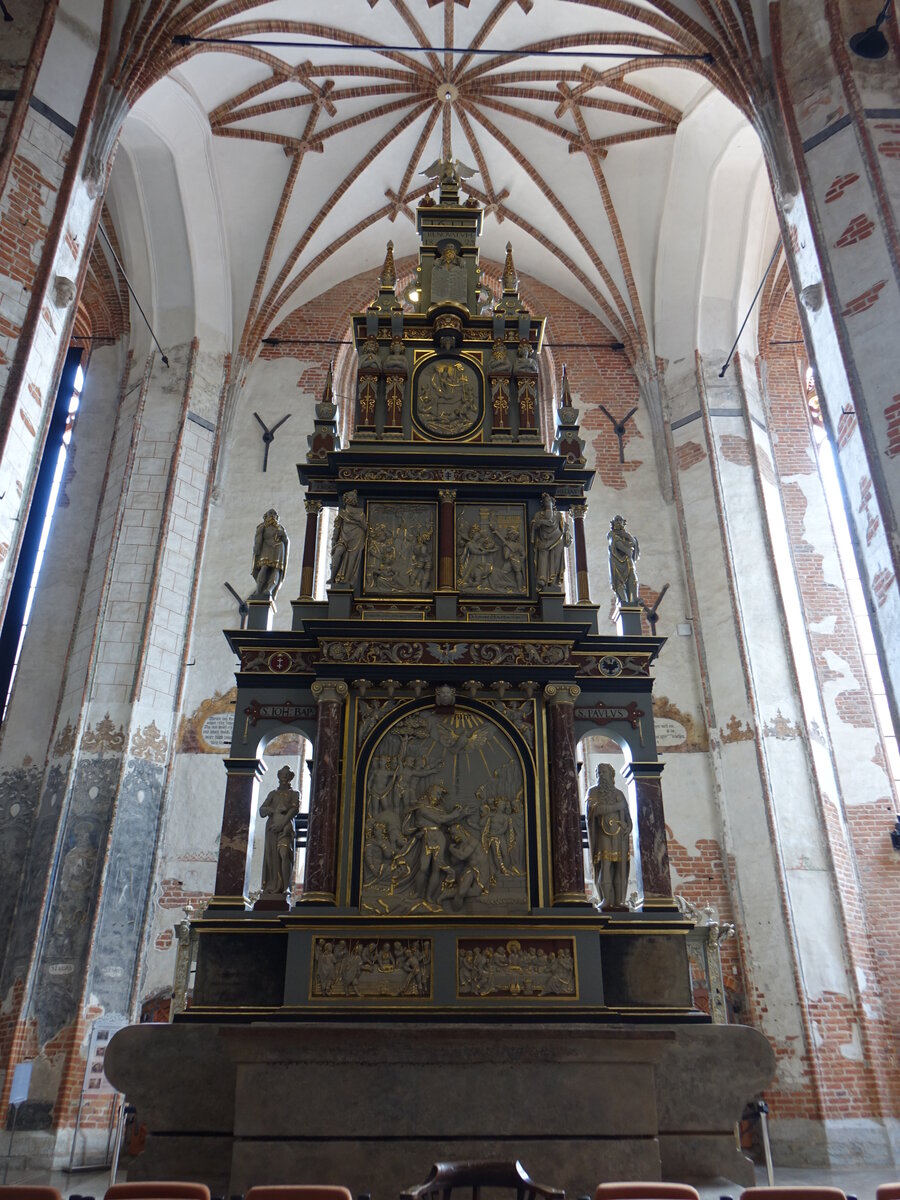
<point>373,1105</point>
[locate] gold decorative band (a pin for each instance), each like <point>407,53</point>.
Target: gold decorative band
<point>318,898</point>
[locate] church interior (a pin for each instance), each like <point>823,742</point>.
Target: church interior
<point>449,576</point>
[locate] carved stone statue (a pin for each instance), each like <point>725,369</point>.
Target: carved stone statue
<point>550,535</point>
<point>609,834</point>
<point>279,808</point>
<point>270,555</point>
<point>348,541</point>
<point>624,552</point>
<point>448,277</point>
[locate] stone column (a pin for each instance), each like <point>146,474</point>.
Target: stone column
<point>320,880</point>
<point>308,566</point>
<point>651,831</point>
<point>566,855</point>
<point>446,570</point>
<point>236,843</point>
<point>581,566</point>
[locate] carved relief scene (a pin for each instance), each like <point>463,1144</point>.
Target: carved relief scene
<point>491,549</point>
<point>444,818</point>
<point>447,397</point>
<point>376,967</point>
<point>400,549</point>
<point>527,967</point>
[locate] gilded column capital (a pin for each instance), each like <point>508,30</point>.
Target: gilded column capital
<point>561,693</point>
<point>329,689</point>
<point>446,495</point>
<point>578,511</point>
<point>313,507</point>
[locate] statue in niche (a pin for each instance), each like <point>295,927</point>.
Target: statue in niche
<point>445,825</point>
<point>279,808</point>
<point>348,541</point>
<point>624,552</point>
<point>447,398</point>
<point>550,536</point>
<point>609,835</point>
<point>448,277</point>
<point>270,555</point>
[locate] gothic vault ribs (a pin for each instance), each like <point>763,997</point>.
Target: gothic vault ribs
<point>526,968</point>
<point>444,818</point>
<point>371,968</point>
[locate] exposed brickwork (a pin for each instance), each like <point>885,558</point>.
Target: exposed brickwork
<point>839,185</point>
<point>864,301</point>
<point>860,228</point>
<point>173,895</point>
<point>735,449</point>
<point>688,454</point>
<point>881,585</point>
<point>892,413</point>
<point>845,1085</point>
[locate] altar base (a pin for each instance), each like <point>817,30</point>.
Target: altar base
<point>372,1105</point>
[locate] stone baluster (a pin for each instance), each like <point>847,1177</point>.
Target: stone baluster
<point>582,582</point>
<point>308,566</point>
<point>651,830</point>
<point>566,854</point>
<point>238,822</point>
<point>320,877</point>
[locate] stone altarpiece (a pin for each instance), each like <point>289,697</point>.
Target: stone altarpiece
<point>444,683</point>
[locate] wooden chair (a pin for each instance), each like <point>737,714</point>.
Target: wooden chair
<point>793,1193</point>
<point>299,1191</point>
<point>477,1174</point>
<point>158,1190</point>
<point>651,1190</point>
<point>22,1191</point>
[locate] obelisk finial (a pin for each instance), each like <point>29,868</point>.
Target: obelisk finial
<point>566,398</point>
<point>328,390</point>
<point>510,279</point>
<point>388,273</point>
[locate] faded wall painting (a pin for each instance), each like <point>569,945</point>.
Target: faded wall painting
<point>400,549</point>
<point>491,549</point>
<point>444,818</point>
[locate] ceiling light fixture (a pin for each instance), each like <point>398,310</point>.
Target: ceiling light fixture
<point>186,39</point>
<point>872,43</point>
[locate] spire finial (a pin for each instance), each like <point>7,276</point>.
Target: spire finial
<point>328,390</point>
<point>510,279</point>
<point>388,273</point>
<point>566,400</point>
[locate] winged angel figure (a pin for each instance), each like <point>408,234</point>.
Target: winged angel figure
<point>449,171</point>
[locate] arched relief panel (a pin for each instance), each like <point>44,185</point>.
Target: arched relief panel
<point>437,826</point>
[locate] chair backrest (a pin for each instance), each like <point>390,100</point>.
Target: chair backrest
<point>158,1190</point>
<point>19,1191</point>
<point>479,1173</point>
<point>651,1190</point>
<point>888,1191</point>
<point>299,1191</point>
<point>793,1193</point>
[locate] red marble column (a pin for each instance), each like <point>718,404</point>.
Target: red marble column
<point>566,855</point>
<point>581,566</point>
<point>236,842</point>
<point>651,831</point>
<point>446,556</point>
<point>308,567</point>
<point>320,878</point>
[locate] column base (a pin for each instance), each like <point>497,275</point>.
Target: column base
<point>552,603</point>
<point>445,606</point>
<point>340,602</point>
<point>628,619</point>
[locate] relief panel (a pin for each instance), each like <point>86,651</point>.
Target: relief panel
<point>447,398</point>
<point>400,549</point>
<point>378,968</point>
<point>530,968</point>
<point>491,549</point>
<point>444,818</point>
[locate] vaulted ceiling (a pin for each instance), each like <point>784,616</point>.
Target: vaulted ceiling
<point>570,112</point>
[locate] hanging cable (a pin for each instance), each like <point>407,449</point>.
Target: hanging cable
<point>187,39</point>
<point>133,296</point>
<point>727,362</point>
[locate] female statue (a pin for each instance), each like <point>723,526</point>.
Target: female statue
<point>348,541</point>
